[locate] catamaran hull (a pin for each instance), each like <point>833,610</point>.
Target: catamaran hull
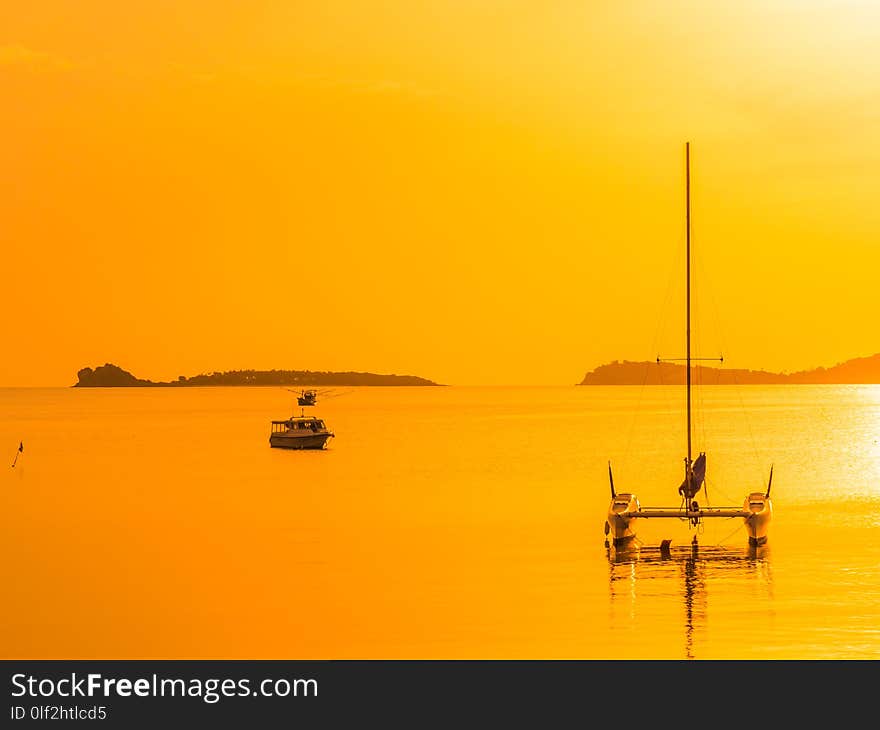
<point>622,516</point>
<point>757,523</point>
<point>282,441</point>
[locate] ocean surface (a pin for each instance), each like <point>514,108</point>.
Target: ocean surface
<point>448,522</point>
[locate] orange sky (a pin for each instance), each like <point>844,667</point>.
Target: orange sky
<point>475,191</point>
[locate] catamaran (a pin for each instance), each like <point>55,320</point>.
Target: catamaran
<point>625,511</point>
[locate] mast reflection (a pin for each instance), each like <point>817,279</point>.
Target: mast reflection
<point>639,576</point>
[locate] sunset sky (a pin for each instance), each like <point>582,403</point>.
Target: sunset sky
<point>474,191</point>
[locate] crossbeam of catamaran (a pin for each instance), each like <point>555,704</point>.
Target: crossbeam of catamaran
<point>646,512</point>
<point>625,510</point>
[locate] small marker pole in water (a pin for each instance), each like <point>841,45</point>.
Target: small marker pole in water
<point>20,449</point>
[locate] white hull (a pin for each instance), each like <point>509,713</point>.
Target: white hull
<point>760,510</point>
<point>622,516</point>
<point>296,441</point>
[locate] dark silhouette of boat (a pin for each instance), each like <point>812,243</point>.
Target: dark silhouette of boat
<point>625,510</point>
<point>300,432</point>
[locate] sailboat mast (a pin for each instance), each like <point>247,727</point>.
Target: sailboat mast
<point>687,156</point>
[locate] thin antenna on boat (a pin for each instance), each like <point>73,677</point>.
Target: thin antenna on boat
<point>611,479</point>
<point>769,482</point>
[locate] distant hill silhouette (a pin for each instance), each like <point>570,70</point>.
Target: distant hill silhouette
<point>113,376</point>
<point>627,372</point>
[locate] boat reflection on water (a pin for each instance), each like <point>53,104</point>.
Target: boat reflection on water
<point>641,577</point>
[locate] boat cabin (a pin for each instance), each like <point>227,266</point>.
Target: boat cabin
<point>303,424</point>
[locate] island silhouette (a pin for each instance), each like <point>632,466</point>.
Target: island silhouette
<point>861,370</point>
<point>113,376</point>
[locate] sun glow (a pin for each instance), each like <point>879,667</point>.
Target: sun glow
<point>474,193</point>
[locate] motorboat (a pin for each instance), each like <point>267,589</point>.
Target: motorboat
<point>300,432</point>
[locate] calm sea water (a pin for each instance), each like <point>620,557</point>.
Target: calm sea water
<point>456,522</point>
